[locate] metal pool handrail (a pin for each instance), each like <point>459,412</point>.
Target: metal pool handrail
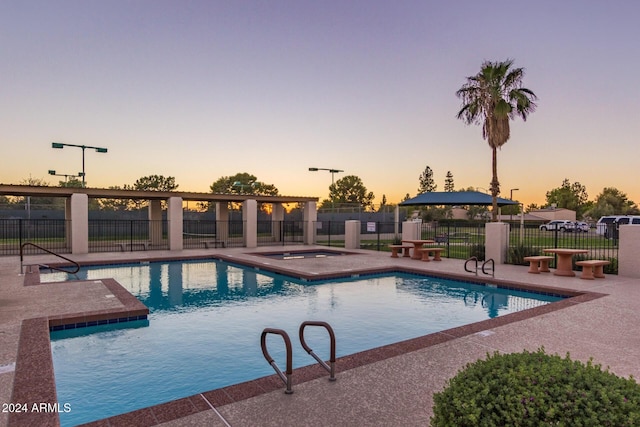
<point>484,264</point>
<point>76,265</point>
<point>332,337</point>
<point>285,377</point>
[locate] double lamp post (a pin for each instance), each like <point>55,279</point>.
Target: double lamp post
<point>83,147</point>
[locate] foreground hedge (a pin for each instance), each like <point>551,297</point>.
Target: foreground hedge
<point>533,389</point>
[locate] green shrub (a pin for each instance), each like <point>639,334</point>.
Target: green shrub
<point>612,268</point>
<point>518,253</point>
<point>534,389</point>
<point>477,250</point>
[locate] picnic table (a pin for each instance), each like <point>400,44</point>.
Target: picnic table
<point>564,267</point>
<point>417,244</point>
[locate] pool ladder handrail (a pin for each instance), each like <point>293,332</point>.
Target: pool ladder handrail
<point>75,264</point>
<point>482,268</point>
<point>285,377</point>
<point>332,337</point>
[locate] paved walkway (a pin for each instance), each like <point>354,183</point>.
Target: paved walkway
<point>395,390</point>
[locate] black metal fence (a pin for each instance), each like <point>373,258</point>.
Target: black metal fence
<point>529,240</point>
<point>461,239</point>
<point>329,233</point>
<point>127,235</point>
<point>379,235</point>
<point>50,234</point>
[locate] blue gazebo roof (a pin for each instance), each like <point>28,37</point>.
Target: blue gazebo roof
<point>454,198</point>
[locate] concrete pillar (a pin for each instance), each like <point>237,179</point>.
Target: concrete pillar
<point>310,218</point>
<point>277,217</point>
<point>496,242</point>
<point>174,220</point>
<point>352,234</point>
<point>68,225</point>
<point>411,230</point>
<point>155,222</point>
<point>79,212</point>
<point>628,249</point>
<point>250,219</point>
<point>222,221</point>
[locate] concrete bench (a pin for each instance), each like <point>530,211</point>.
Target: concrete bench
<point>131,245</point>
<point>396,248</point>
<point>427,251</point>
<point>592,268</point>
<point>538,264</point>
<point>214,243</point>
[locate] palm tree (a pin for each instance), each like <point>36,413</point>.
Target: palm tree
<point>493,97</point>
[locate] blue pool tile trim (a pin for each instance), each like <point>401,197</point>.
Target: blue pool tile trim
<point>96,323</point>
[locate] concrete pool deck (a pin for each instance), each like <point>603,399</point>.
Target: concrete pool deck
<point>388,386</point>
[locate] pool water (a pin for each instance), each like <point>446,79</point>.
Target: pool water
<point>206,318</point>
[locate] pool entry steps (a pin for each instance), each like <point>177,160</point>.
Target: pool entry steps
<point>485,270</point>
<point>286,377</point>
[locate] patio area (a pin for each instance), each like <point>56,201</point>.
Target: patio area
<point>392,385</point>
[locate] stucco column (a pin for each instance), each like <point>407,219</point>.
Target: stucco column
<point>352,234</point>
<point>174,220</point>
<point>496,244</point>
<point>222,221</point>
<point>155,222</point>
<point>411,230</point>
<point>628,249</point>
<point>277,218</point>
<point>79,214</point>
<point>310,218</point>
<point>250,219</point>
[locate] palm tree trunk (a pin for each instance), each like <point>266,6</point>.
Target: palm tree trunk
<point>495,186</point>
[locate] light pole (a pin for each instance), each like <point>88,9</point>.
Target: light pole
<point>511,198</point>
<point>332,172</point>
<point>53,172</point>
<point>98,150</point>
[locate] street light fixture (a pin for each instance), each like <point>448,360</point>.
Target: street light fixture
<point>241,185</point>
<point>53,172</point>
<point>511,193</point>
<point>62,145</point>
<point>332,172</point>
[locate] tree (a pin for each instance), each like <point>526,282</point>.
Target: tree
<point>448,182</point>
<point>350,189</point>
<point>242,183</point>
<point>73,182</point>
<point>569,196</point>
<point>612,202</point>
<point>427,183</point>
<point>493,97</point>
<point>118,204</point>
<point>155,183</point>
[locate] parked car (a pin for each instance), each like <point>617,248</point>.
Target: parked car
<point>608,225</point>
<point>581,226</point>
<point>558,224</point>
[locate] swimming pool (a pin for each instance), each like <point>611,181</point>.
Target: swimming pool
<point>206,318</point>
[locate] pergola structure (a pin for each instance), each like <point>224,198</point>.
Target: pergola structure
<point>455,198</point>
<point>77,209</point>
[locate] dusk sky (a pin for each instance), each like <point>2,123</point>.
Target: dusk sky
<point>198,90</point>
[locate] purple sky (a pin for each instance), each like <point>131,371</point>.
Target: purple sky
<point>203,89</point>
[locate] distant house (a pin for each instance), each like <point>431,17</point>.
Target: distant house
<point>552,213</point>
